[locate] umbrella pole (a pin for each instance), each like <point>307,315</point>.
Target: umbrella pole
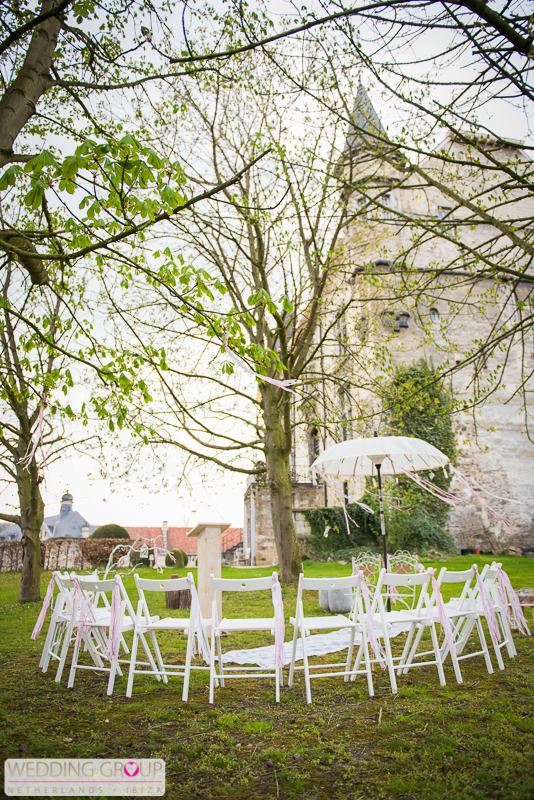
<point>383,524</point>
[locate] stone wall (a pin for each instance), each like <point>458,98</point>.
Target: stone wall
<point>305,495</point>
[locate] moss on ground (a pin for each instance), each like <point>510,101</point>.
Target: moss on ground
<point>474,740</point>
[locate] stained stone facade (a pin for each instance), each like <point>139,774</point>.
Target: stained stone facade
<point>493,446</point>
<point>258,537</point>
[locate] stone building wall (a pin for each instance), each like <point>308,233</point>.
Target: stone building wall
<point>258,522</point>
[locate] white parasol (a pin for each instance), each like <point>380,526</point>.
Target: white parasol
<point>361,456</point>
<point>379,455</point>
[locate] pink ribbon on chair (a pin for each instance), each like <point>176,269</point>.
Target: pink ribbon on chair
<point>506,587</point>
<point>114,629</point>
<point>241,364</point>
<point>444,621</point>
<point>196,614</point>
<point>279,623</point>
<point>371,632</point>
<point>487,605</point>
<point>46,603</point>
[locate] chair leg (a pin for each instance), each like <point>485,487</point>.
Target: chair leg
<point>349,655</point>
<point>406,650</point>
<point>413,651</point>
<point>187,671</point>
<point>507,633</point>
<point>48,644</point>
<point>483,644</point>
<point>498,654</point>
<point>456,666</point>
<point>113,669</point>
<point>212,666</point>
<point>74,664</point>
<point>437,654</point>
<point>368,670</point>
<point>389,661</point>
<point>293,655</point>
<point>149,655</point>
<point>357,662</point>
<point>219,655</point>
<point>133,657</point>
<point>63,655</point>
<point>305,663</point>
<point>159,659</point>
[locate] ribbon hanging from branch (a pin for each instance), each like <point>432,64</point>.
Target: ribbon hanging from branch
<point>342,499</point>
<point>285,384</point>
<point>463,480</point>
<point>33,445</point>
<point>451,499</point>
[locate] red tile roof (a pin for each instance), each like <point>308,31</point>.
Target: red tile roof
<point>178,540</point>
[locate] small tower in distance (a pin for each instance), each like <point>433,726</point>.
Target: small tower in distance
<point>66,504</point>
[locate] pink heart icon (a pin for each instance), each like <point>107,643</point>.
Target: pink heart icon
<point>131,769</point>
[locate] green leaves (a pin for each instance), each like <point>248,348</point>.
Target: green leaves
<point>34,198</point>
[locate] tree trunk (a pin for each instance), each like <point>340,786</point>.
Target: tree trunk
<point>33,80</point>
<point>31,520</point>
<point>276,414</point>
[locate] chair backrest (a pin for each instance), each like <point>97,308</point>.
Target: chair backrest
<point>465,577</point>
<point>149,585</point>
<point>240,584</point>
<point>166,585</point>
<point>352,582</point>
<point>410,582</point>
<point>319,584</point>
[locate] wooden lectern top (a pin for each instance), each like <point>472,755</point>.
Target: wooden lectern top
<point>201,526</point>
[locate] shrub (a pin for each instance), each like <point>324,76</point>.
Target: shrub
<point>110,532</point>
<point>181,559</point>
<point>178,562</point>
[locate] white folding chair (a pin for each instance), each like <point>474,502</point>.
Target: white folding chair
<point>419,616</point>
<point>96,629</point>
<point>61,614</point>
<point>243,624</point>
<point>502,636</point>
<point>355,622</point>
<point>86,592</point>
<point>145,624</point>
<point>463,616</point>
<point>500,607</point>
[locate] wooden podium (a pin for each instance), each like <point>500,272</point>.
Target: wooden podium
<point>208,563</point>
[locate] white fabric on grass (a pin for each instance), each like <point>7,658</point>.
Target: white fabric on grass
<point>316,645</point>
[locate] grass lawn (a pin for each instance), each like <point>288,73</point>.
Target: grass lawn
<point>474,740</point>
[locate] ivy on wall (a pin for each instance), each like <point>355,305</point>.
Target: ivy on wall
<point>415,404</point>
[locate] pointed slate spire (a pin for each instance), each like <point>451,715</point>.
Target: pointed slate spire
<point>365,121</point>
